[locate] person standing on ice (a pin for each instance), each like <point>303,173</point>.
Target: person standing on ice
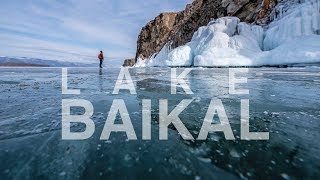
<point>101,58</point>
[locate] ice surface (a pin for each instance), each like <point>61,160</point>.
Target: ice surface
<point>284,102</point>
<point>293,37</point>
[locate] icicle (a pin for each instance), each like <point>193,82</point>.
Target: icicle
<point>280,10</point>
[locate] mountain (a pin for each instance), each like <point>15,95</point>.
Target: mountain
<point>35,62</point>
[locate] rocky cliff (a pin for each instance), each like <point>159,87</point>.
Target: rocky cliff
<point>178,28</point>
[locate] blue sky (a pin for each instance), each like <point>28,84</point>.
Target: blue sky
<point>75,30</point>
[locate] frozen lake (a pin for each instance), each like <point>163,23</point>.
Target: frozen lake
<point>283,101</point>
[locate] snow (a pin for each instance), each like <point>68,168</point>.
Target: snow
<point>181,56</point>
<point>292,37</point>
<point>302,49</point>
<point>232,43</point>
<point>140,63</point>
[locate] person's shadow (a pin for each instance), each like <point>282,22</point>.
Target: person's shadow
<point>100,80</point>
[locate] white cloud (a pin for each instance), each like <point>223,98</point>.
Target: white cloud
<point>75,30</point>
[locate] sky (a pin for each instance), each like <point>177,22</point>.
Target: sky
<point>76,30</point>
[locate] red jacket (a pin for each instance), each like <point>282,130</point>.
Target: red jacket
<point>100,56</point>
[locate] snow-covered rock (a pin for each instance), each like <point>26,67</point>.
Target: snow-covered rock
<point>180,56</point>
<point>222,43</point>
<point>293,37</point>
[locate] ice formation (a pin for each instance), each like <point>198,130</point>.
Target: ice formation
<point>292,37</point>
<point>290,23</point>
